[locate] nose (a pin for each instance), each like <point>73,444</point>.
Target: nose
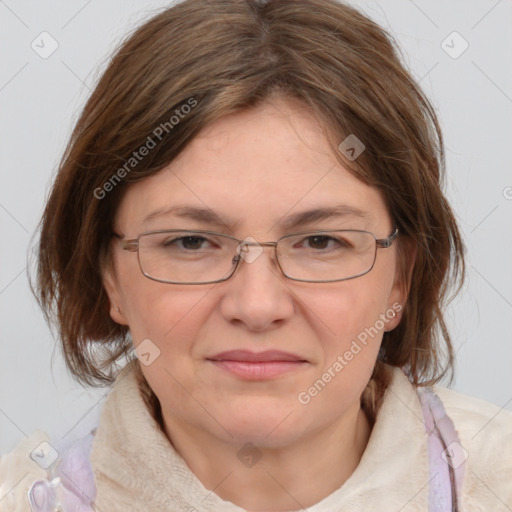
<point>257,295</point>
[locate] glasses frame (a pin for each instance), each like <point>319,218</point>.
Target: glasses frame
<point>132,245</point>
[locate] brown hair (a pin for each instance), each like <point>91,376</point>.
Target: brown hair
<point>223,56</point>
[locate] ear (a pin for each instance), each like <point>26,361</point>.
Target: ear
<point>111,285</point>
<point>406,258</point>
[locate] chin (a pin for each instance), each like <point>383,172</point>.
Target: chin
<point>263,424</point>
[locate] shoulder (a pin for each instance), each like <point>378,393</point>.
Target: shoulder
<point>485,433</point>
<point>479,422</point>
<point>19,469</point>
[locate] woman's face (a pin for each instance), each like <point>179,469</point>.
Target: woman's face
<point>255,170</point>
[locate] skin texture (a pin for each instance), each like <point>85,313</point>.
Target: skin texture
<point>255,168</point>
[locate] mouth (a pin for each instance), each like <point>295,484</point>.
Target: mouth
<point>257,365</point>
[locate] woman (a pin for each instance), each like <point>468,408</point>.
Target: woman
<point>250,210</point>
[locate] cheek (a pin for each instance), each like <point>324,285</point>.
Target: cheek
<point>350,318</point>
<point>348,308</point>
<point>175,318</point>
<point>349,315</point>
<point>171,319</point>
<point>163,312</point>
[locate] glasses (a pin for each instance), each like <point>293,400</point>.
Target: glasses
<point>203,257</point>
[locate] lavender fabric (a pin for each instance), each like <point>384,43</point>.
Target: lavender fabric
<point>445,455</point>
<point>70,486</point>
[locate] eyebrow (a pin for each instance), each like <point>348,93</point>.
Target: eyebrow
<point>208,216</point>
<point>325,213</point>
<point>197,213</point>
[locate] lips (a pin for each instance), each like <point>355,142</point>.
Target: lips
<point>248,365</point>
<point>257,357</point>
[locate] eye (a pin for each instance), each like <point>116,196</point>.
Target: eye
<point>191,242</point>
<point>320,242</point>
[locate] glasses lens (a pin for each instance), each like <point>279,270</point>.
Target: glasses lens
<point>199,257</point>
<point>186,256</point>
<point>327,255</point>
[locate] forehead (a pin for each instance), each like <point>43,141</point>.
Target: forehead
<point>254,169</point>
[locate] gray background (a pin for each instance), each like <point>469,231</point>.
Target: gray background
<point>40,99</point>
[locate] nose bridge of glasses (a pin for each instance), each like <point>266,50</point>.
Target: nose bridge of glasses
<point>258,244</point>
<point>243,249</point>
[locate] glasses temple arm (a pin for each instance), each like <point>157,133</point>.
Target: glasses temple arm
<point>386,242</point>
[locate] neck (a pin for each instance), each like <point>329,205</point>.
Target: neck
<point>291,477</point>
